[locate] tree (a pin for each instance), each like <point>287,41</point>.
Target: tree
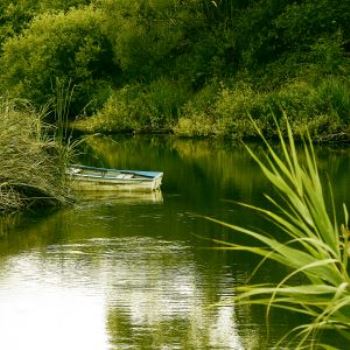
<point>70,46</point>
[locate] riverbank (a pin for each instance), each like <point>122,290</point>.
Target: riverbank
<point>32,164</point>
<point>322,109</point>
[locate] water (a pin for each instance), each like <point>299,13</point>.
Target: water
<point>140,272</point>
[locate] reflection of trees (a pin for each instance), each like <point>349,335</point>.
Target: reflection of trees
<point>87,217</point>
<point>227,165</point>
<point>201,331</point>
<point>152,292</point>
<point>197,165</point>
<point>162,301</point>
<point>190,166</point>
<point>24,232</point>
<point>126,152</point>
<point>6,222</point>
<point>335,164</point>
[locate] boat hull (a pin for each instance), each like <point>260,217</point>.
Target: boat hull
<point>101,185</point>
<point>85,178</point>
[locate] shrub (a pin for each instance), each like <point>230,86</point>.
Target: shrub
<point>15,16</point>
<point>162,101</point>
<point>71,47</point>
<point>334,94</point>
<point>197,125</point>
<point>148,32</point>
<point>115,116</point>
<point>154,107</point>
<point>321,109</point>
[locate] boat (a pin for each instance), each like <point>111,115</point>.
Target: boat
<point>89,178</point>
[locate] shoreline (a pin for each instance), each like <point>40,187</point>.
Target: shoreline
<point>341,137</point>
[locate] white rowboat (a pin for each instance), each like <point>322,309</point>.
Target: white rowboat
<point>102,179</point>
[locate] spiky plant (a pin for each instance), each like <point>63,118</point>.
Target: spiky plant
<point>316,249</point>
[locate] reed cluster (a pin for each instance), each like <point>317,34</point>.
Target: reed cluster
<point>32,163</point>
<point>309,240</point>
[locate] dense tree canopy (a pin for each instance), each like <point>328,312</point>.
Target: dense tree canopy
<point>122,49</point>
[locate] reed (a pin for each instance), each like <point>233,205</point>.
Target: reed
<point>60,108</point>
<point>31,163</point>
<point>316,250</point>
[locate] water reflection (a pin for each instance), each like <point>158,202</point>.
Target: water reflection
<point>160,301</point>
<point>122,272</point>
<point>149,290</point>
<point>40,309</point>
<point>119,197</point>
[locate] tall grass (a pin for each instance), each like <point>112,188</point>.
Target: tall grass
<point>308,240</point>
<point>60,108</point>
<point>63,135</point>
<point>31,163</point>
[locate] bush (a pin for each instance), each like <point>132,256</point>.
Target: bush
<point>154,107</point>
<point>72,47</point>
<point>15,16</point>
<point>334,94</point>
<point>117,114</point>
<point>196,125</point>
<point>320,109</point>
<point>162,101</point>
<point>148,32</point>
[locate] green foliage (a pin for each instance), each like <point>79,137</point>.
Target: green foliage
<point>153,107</point>
<point>197,118</point>
<point>15,16</point>
<point>318,109</point>
<point>308,240</point>
<point>269,29</point>
<point>198,125</point>
<point>268,54</point>
<point>71,47</point>
<point>150,34</point>
<point>302,22</point>
<point>162,101</point>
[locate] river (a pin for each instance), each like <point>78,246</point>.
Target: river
<point>118,271</point>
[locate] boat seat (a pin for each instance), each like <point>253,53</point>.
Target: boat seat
<point>125,176</point>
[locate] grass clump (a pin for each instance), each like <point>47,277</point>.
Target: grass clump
<point>32,164</point>
<point>309,240</point>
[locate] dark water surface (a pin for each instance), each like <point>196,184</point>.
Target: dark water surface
<point>139,272</point>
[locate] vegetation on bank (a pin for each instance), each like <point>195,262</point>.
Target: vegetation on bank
<point>310,240</point>
<point>195,68</point>
<point>32,164</point>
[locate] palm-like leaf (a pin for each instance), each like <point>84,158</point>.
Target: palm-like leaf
<point>317,249</point>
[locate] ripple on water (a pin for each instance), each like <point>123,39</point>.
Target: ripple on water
<point>146,290</point>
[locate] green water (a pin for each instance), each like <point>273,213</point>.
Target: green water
<point>140,272</point>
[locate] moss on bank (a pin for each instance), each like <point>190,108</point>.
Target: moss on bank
<point>32,165</point>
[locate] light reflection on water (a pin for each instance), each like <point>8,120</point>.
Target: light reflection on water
<point>142,285</point>
<point>124,272</point>
<point>40,310</point>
